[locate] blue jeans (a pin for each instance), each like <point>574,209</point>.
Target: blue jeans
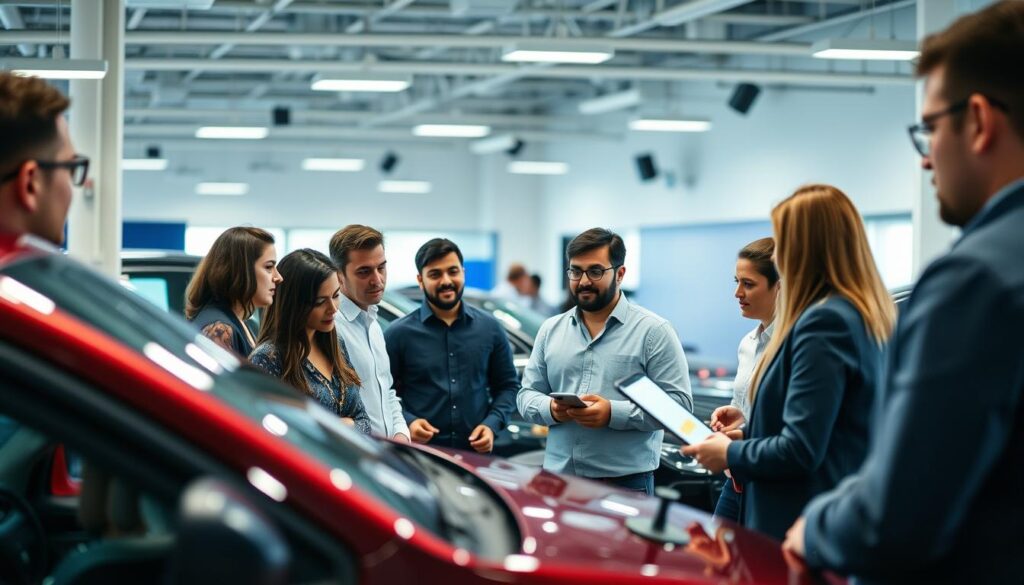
<point>728,506</point>
<point>637,482</point>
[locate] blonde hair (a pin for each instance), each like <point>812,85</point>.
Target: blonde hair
<point>821,249</point>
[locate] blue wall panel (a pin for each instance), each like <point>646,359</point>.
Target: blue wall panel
<point>479,274</point>
<point>153,235</point>
<point>687,278</point>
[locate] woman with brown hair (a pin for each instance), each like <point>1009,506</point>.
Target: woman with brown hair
<point>757,290</point>
<point>298,343</point>
<point>812,391</point>
<point>237,276</point>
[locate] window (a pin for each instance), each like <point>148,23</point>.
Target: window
<point>892,244</point>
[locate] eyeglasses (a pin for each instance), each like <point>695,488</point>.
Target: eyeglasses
<point>594,273</point>
<point>921,133</point>
<point>78,167</point>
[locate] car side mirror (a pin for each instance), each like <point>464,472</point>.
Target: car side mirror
<point>224,538</point>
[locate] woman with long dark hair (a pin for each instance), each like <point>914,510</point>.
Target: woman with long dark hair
<point>298,343</point>
<point>812,391</point>
<point>237,276</point>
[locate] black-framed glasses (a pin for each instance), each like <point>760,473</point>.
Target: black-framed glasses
<point>594,273</point>
<point>78,167</point>
<point>921,133</point>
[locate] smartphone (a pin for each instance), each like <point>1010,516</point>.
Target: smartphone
<point>568,399</point>
<point>643,392</point>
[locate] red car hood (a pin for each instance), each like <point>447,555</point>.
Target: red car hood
<point>566,519</point>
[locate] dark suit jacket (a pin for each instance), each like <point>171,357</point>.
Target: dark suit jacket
<point>940,498</point>
<point>808,426</point>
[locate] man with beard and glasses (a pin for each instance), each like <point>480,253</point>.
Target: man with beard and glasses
<point>451,362</point>
<point>586,350</point>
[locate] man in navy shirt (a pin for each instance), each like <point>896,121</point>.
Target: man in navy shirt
<point>451,362</point>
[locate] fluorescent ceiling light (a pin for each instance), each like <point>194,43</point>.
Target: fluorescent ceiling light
<point>378,83</point>
<point>492,144</point>
<point>349,165</point>
<point>391,186</point>
<point>555,53</point>
<point>534,167</point>
<point>222,188</point>
<point>236,132</point>
<point>866,49</point>
<point>451,130</point>
<point>610,102</point>
<point>56,68</point>
<point>669,125</point>
<point>144,164</point>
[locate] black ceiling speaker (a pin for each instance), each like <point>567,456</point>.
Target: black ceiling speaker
<point>646,167</point>
<point>152,152</point>
<point>282,116</point>
<point>516,148</point>
<point>389,162</point>
<point>743,97</point>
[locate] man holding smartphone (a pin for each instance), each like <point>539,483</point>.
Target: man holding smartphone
<point>586,350</point>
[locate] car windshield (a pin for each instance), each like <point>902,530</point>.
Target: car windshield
<point>511,314</point>
<point>175,345</point>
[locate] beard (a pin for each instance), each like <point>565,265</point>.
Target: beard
<point>600,300</point>
<point>434,299</point>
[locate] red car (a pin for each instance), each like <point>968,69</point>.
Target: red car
<point>133,448</point>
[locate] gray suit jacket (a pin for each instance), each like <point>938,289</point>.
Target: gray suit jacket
<point>808,425</point>
<point>940,498</point>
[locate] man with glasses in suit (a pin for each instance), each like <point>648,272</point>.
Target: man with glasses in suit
<point>939,498</point>
<point>38,164</point>
<point>585,351</point>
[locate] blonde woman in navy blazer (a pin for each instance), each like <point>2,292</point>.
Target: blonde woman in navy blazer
<point>813,389</point>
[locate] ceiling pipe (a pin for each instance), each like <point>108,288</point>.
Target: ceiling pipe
<point>562,71</point>
<point>10,17</point>
<point>252,27</point>
<point>836,20</point>
<point>679,14</point>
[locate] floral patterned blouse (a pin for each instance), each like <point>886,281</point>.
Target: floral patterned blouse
<point>344,402</point>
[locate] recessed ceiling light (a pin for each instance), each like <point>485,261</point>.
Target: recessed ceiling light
<point>345,165</point>
<point>56,68</point>
<point>543,52</point>
<point>415,187</point>
<point>865,49</point>
<point>221,188</point>
<point>144,164</point>
<point>669,125</point>
<point>451,130</point>
<point>232,132</point>
<point>536,167</point>
<point>368,83</point>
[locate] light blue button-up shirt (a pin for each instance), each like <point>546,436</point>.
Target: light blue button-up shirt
<point>364,342</point>
<point>566,359</point>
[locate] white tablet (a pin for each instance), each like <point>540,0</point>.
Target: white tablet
<point>657,403</point>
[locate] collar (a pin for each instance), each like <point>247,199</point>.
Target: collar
<point>991,207</point>
<point>425,312</point>
<point>619,313</point>
<point>351,311</point>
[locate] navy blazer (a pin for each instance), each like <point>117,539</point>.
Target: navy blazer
<point>808,425</point>
<point>940,498</point>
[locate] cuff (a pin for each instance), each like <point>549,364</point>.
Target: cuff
<point>545,413</point>
<point>493,422</point>
<point>812,553</point>
<point>409,417</point>
<point>621,410</point>
<point>734,459</point>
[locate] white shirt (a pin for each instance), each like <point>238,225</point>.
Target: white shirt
<point>364,342</point>
<point>749,353</point>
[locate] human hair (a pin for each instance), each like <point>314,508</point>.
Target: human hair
<point>434,250</point>
<point>978,52</point>
<point>284,324</point>
<point>595,238</point>
<point>226,275</point>
<point>515,272</point>
<point>759,253</point>
<point>353,237</point>
<point>536,280</point>
<point>822,250</point>
<point>29,108</point>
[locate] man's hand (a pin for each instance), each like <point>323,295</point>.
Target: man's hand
<point>401,438</point>
<point>726,418</point>
<point>348,420</point>
<point>422,431</point>
<point>596,415</point>
<point>712,453</point>
<point>559,412</point>
<point>482,439</point>
<point>794,542</point>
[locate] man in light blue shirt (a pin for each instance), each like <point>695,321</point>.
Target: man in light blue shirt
<point>585,351</point>
<point>358,252</point>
